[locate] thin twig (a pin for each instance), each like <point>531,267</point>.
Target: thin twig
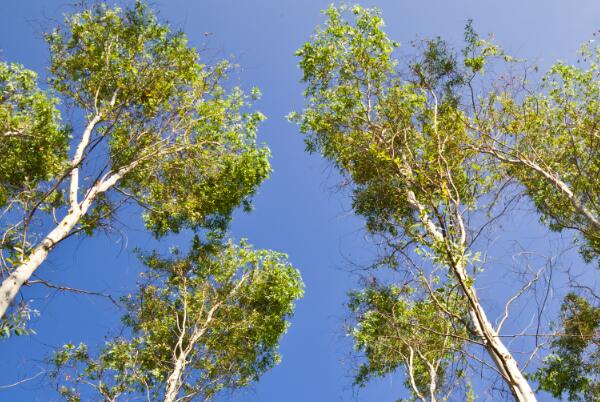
<point>23,380</point>
<point>70,289</point>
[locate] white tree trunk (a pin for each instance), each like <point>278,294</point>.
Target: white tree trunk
<point>17,278</point>
<point>174,380</point>
<point>506,364</point>
<point>499,353</point>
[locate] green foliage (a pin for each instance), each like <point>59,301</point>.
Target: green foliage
<point>424,148</point>
<point>225,305</point>
<point>17,322</point>
<point>163,131</point>
<point>33,154</point>
<point>395,328</point>
<point>33,143</point>
<point>403,138</point>
<point>573,367</point>
<point>162,111</point>
<point>388,135</point>
<point>556,128</point>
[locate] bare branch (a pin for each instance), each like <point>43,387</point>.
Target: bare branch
<point>22,381</point>
<point>515,297</point>
<point>70,289</point>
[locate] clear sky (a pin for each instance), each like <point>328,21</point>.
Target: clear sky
<point>297,211</point>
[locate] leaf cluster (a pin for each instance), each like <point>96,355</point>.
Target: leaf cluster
<point>227,305</point>
<point>165,116</point>
<point>33,141</point>
<point>573,367</point>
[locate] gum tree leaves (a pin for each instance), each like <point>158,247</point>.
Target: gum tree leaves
<point>161,131</point>
<point>200,323</point>
<point>33,142</point>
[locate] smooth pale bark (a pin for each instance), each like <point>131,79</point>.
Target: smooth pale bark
<point>174,381</point>
<point>505,363</point>
<point>76,162</point>
<point>411,377</point>
<point>13,283</point>
<point>499,353</point>
<point>19,276</point>
<point>553,179</point>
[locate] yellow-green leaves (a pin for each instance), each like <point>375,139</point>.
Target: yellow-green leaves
<point>33,143</point>
<point>160,129</point>
<point>396,328</point>
<point>188,145</point>
<point>573,367</point>
<point>224,306</point>
<point>33,155</point>
<point>388,134</point>
<point>403,138</point>
<point>427,151</point>
<point>550,142</point>
<point>126,54</point>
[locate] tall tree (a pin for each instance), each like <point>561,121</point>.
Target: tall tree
<point>160,131</point>
<point>402,139</point>
<point>199,324</point>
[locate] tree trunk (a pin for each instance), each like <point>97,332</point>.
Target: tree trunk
<point>174,380</point>
<point>499,353</point>
<point>12,284</point>
<point>17,278</point>
<point>506,364</point>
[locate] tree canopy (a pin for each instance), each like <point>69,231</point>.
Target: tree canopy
<point>34,142</point>
<point>161,131</point>
<point>199,323</point>
<point>440,148</point>
<point>430,149</point>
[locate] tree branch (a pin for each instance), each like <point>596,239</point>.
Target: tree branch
<point>70,289</point>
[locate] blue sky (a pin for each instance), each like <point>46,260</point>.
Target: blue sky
<point>297,211</point>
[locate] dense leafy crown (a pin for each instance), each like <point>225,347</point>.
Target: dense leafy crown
<point>33,143</point>
<point>573,367</point>
<point>388,134</point>
<point>401,141</point>
<point>160,129</point>
<point>375,119</point>
<point>229,304</point>
<point>555,130</point>
<point>395,328</point>
<point>428,146</point>
<point>162,111</point>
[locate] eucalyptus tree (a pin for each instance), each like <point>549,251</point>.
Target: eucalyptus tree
<point>160,130</point>
<point>403,144</point>
<point>200,324</point>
